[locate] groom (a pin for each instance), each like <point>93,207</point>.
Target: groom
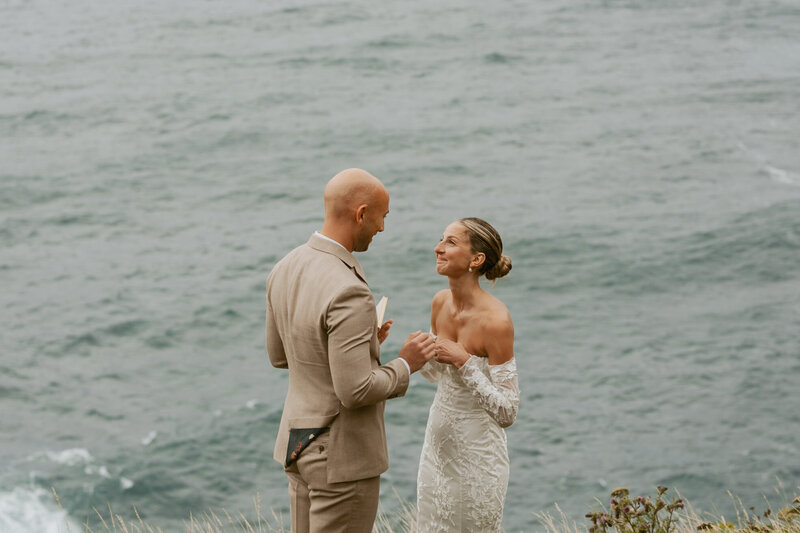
<point>322,327</point>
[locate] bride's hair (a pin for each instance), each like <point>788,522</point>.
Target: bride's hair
<point>483,238</point>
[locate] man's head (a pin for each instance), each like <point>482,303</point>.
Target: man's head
<point>356,203</point>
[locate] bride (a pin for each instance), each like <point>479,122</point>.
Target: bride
<point>463,472</point>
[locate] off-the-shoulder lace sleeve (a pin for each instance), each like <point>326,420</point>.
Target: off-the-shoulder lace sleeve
<point>499,396</point>
<point>432,371</point>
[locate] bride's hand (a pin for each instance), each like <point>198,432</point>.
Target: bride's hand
<point>383,331</point>
<point>450,352</point>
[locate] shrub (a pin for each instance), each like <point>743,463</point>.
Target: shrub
<point>636,515</point>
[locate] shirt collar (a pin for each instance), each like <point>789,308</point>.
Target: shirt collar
<point>322,243</point>
<point>318,234</point>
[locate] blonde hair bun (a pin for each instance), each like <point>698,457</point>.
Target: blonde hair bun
<point>500,269</point>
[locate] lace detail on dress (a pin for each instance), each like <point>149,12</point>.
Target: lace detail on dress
<point>498,393</point>
<point>432,370</point>
<point>463,472</point>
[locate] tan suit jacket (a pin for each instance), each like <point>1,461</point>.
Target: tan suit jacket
<point>322,326</point>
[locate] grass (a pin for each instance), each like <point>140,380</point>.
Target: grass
<point>402,520</point>
<point>683,519</point>
<point>686,520</point>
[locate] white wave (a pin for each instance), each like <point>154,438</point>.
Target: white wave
<point>776,174</point>
<point>76,456</point>
<point>780,175</point>
<point>101,471</point>
<point>149,438</point>
<point>70,457</point>
<point>251,404</point>
<point>33,511</point>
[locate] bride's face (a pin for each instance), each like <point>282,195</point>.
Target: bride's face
<point>454,253</point>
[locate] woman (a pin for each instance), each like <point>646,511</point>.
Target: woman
<point>463,472</point>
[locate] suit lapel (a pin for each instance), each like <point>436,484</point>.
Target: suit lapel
<point>318,243</point>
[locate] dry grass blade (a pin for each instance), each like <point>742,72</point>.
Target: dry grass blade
<point>55,495</point>
<point>141,522</point>
<point>403,520</point>
<point>245,525</point>
<point>561,523</point>
<point>257,505</point>
<point>229,517</point>
<point>102,520</point>
<point>278,520</point>
<point>121,523</point>
<point>216,519</point>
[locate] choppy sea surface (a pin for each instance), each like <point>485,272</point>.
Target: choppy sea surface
<point>641,160</point>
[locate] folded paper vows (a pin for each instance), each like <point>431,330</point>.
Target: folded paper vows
<point>381,310</point>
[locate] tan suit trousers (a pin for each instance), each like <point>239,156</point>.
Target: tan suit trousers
<point>321,507</point>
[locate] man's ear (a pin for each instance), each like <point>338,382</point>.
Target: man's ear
<point>361,213</point>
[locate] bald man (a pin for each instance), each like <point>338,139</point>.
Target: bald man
<point>322,327</point>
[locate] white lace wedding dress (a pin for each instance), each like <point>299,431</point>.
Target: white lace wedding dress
<point>463,470</point>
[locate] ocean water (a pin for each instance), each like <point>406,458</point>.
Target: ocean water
<point>641,160</point>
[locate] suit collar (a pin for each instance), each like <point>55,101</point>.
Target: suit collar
<point>318,243</point>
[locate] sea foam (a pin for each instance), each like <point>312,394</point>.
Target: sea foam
<point>33,511</point>
<point>71,457</point>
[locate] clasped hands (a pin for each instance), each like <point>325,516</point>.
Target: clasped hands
<point>419,348</point>
<point>450,352</point>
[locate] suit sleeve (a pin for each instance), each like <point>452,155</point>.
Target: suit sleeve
<point>277,355</point>
<point>351,326</point>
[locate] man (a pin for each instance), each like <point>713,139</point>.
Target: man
<point>322,327</point>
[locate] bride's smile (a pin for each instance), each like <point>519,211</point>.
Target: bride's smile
<point>454,255</point>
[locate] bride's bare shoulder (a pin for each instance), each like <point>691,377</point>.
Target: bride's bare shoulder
<point>498,332</point>
<point>497,319</point>
<point>494,307</point>
<point>441,297</point>
<point>439,300</point>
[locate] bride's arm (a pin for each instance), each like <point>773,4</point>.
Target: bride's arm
<point>498,394</point>
<point>432,371</point>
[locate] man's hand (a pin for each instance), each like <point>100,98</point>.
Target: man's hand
<point>450,352</point>
<point>383,331</point>
<point>417,350</point>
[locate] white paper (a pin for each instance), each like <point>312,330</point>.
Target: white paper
<point>380,309</point>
